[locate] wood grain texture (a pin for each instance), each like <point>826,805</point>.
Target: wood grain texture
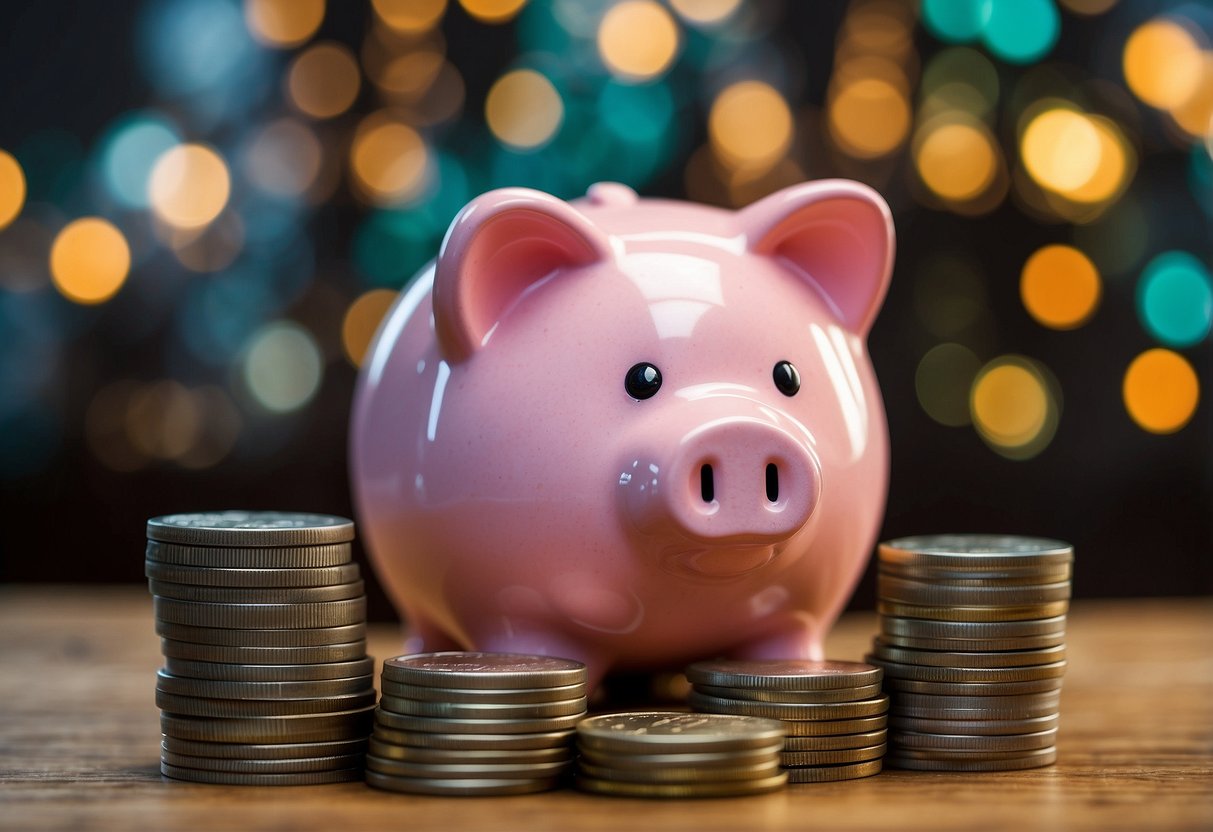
<point>79,743</point>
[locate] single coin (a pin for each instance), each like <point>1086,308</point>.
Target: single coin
<point>459,669</point>
<point>1045,757</point>
<point>228,637</point>
<point>231,778</point>
<point>482,787</point>
<point>250,557</point>
<point>975,551</point>
<point>258,616</point>
<point>834,727</point>
<point>934,594</point>
<point>726,788</point>
<point>997,704</point>
<point>973,645</point>
<point>1013,658</point>
<point>328,727</point>
<point>784,674</point>
<point>1009,575</point>
<point>248,578</point>
<point>980,754</point>
<point>508,696</point>
<point>464,771</point>
<point>227,672</point>
<point>251,528</point>
<point>482,710</point>
<point>647,732</point>
<point>263,751</point>
<point>474,742</point>
<point>799,711</point>
<point>238,708</point>
<point>675,774</point>
<point>261,766</point>
<point>412,754</point>
<point>925,628</point>
<point>844,756</point>
<point>981,727</point>
<point>212,689</point>
<point>974,614</point>
<point>972,688</point>
<point>237,655</point>
<point>833,774</point>
<point>973,742</point>
<point>476,726</point>
<point>257,595</point>
<point>926,673</point>
<point>836,743</point>
<point>768,755</point>
<point>962,714</point>
<point>791,697</point>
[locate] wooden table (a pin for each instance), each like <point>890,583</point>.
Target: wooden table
<point>79,742</point>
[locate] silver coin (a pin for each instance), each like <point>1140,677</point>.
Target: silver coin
<point>836,743</point>
<point>251,578</point>
<point>980,727</point>
<point>979,754</point>
<point>507,696</point>
<point>234,654</point>
<point>472,670</point>
<point>973,742</point>
<point>257,595</point>
<point>239,708</point>
<point>975,551</point>
<point>676,774</point>
<point>833,727</point>
<point>789,712</point>
<point>1045,757</point>
<point>784,674</point>
<point>263,751</point>
<point>935,594</point>
<point>216,689</point>
<point>230,778</point>
<point>227,672</point>
<point>994,704</point>
<point>925,673</point>
<point>299,637</point>
<point>990,576</point>
<point>720,788</point>
<point>250,557</point>
<point>261,616</point>
<point>972,688</point>
<point>1011,658</point>
<point>285,766</point>
<point>482,710</point>
<point>973,614</point>
<point>925,628</point>
<point>791,697</point>
<point>844,756</point>
<point>476,726</point>
<point>409,753</point>
<point>973,645</point>
<point>763,755</point>
<point>251,528</point>
<point>482,787</point>
<point>647,732</point>
<point>473,771</point>
<point>327,727</point>
<point>833,774</point>
<point>474,742</point>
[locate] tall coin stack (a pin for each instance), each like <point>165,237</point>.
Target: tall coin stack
<point>262,621</point>
<point>834,712</point>
<point>972,642</point>
<point>464,723</point>
<point>670,754</point>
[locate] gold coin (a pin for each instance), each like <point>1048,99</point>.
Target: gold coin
<point>507,696</point>
<point>790,697</point>
<point>832,774</point>
<point>728,788</point>
<point>786,712</point>
<point>831,758</point>
<point>783,674</point>
<point>1014,658</point>
<point>974,614</point>
<point>1046,757</point>
<point>678,774</point>
<point>483,787</point>
<point>482,710</point>
<point>231,778</point>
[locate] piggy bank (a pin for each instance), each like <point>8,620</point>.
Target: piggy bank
<point>632,432</point>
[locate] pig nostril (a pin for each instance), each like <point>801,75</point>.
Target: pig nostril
<point>772,482</point>
<point>707,486</point>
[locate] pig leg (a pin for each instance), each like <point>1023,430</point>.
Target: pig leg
<point>797,636</point>
<point>421,636</point>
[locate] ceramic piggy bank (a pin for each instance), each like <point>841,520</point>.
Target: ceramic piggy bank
<point>628,431</point>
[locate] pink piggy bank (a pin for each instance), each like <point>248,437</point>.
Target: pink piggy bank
<point>631,432</point>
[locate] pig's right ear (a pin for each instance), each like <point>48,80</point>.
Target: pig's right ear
<point>502,243</point>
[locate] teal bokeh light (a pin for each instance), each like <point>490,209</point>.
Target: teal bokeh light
<point>1175,299</point>
<point>131,148</point>
<point>956,21</point>
<point>1021,31</point>
<point>390,246</point>
<point>638,113</point>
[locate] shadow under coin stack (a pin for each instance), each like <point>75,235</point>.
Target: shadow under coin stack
<point>262,621</point>
<point>972,642</point>
<point>668,754</point>
<point>463,723</point>
<point>833,712</point>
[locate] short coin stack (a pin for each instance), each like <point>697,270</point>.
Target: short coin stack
<point>670,754</point>
<point>464,723</point>
<point>262,621</point>
<point>972,642</point>
<point>833,712</point>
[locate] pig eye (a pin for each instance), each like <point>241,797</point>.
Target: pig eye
<point>787,378</point>
<point>642,381</point>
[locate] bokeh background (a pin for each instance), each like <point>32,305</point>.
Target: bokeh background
<point>207,205</point>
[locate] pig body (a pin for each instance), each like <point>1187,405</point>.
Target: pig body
<point>577,432</point>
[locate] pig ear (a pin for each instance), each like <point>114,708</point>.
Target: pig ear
<point>502,243</point>
<point>837,235</point>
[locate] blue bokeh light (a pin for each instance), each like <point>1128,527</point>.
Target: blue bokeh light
<point>129,152</point>
<point>195,46</point>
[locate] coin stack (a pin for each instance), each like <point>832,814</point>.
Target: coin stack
<point>673,754</point>
<point>833,712</point>
<point>262,621</point>
<point>972,643</point>
<point>463,723</point>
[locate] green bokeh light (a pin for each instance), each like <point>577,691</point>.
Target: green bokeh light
<point>1175,299</point>
<point>1021,31</point>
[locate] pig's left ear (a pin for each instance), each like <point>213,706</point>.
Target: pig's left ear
<point>501,244</point>
<point>837,235</point>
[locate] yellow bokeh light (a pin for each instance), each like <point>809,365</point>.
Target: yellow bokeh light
<point>523,109</point>
<point>12,189</point>
<point>956,159</point>
<point>283,22</point>
<point>409,76</point>
<point>638,39</point>
<point>361,321</point>
<point>388,160</point>
<point>1195,115</point>
<point>1060,287</point>
<point>189,186</point>
<point>869,118</point>
<point>705,11</point>
<point>1161,391</point>
<point>323,81</point>
<point>1115,165</point>
<point>492,11</point>
<point>89,261</point>
<point>1162,63</point>
<point>410,16</point>
<point>750,125</point>
<point>1011,407</point>
<point>1061,149</point>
